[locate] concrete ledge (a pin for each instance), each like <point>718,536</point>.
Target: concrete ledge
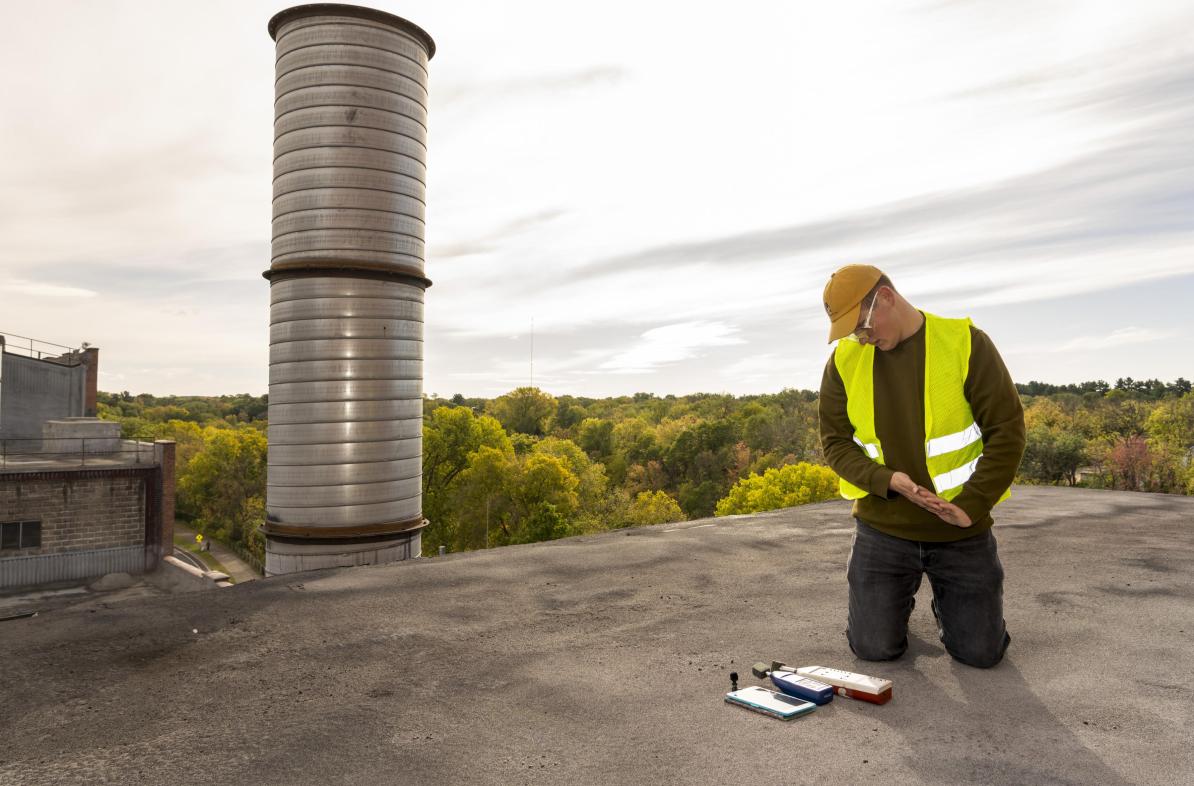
<point>80,435</point>
<point>34,569</point>
<point>174,575</point>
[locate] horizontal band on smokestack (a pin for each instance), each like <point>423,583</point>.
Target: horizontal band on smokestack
<point>361,270</point>
<point>362,534</point>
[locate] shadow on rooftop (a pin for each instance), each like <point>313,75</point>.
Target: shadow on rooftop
<point>1014,739</point>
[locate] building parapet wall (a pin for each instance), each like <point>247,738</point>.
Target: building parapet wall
<point>36,390</point>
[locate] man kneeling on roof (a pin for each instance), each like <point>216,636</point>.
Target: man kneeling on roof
<point>922,423</point>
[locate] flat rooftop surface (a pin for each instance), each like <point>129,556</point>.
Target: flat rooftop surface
<point>25,455</point>
<point>604,659</point>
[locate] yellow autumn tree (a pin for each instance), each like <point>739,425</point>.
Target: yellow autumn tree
<point>653,507</point>
<point>786,487</point>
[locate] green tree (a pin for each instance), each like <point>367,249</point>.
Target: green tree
<point>188,442</point>
<point>481,502</point>
<point>161,414</point>
<point>252,514</point>
<point>544,478</point>
<point>1104,421</point>
<point>699,499</point>
<point>702,452</point>
<point>590,475</point>
<point>1055,448</point>
<point>222,480</point>
<point>569,412</point>
<point>524,410</point>
<point>760,425</point>
<point>451,438</point>
<point>1171,423</point>
<point>595,436</point>
<point>634,440</point>
<point>518,499</point>
<point>1053,455</point>
<point>795,484</point>
<point>543,522</point>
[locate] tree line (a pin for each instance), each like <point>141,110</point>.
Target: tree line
<point>528,466</point>
<point>1140,388</point>
<point>1121,439</point>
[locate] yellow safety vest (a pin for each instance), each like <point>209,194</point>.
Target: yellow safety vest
<point>953,441</point>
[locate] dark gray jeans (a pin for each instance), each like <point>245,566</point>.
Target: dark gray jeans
<point>884,573</point>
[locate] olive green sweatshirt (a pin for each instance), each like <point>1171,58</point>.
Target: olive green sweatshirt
<point>899,379</point>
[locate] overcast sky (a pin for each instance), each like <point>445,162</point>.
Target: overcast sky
<point>662,188</point>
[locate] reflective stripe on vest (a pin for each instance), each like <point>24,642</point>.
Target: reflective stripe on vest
<point>871,449</point>
<point>939,446</point>
<point>955,477</point>
<point>953,444</point>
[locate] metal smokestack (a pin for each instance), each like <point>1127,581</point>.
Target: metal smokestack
<point>346,288</point>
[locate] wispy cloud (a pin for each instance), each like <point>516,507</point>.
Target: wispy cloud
<point>42,289</point>
<point>491,240</point>
<point>197,272</point>
<point>1107,343</point>
<point>1116,338</point>
<point>1131,188</point>
<point>768,365</point>
<point>529,86</point>
<point>670,344</point>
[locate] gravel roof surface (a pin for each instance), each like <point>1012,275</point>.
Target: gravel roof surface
<point>604,659</point>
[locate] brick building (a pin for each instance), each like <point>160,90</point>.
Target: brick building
<point>76,500</point>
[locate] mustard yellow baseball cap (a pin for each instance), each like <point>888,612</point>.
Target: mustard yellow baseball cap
<point>843,297</point>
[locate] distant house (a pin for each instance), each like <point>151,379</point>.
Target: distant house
<point>76,500</point>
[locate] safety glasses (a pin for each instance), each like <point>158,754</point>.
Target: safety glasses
<point>863,331</point>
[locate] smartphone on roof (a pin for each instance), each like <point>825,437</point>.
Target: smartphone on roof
<point>769,702</point>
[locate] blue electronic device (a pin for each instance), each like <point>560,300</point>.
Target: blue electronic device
<point>802,687</point>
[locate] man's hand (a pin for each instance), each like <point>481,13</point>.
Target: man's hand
<point>907,488</point>
<point>952,514</point>
<point>918,495</point>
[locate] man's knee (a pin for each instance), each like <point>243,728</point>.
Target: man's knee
<point>979,654</point>
<point>871,647</point>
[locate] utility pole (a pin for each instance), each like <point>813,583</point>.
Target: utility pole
<point>532,352</point>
